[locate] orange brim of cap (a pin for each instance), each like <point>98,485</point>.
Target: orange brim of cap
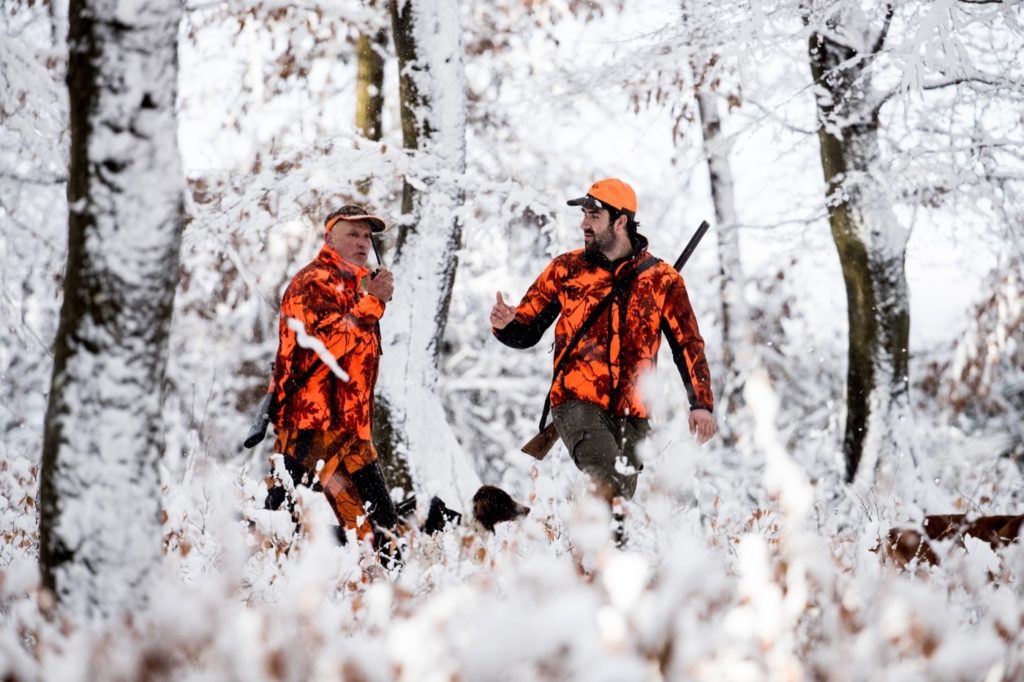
<point>377,223</point>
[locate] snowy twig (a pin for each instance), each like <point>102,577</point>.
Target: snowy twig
<point>54,180</point>
<point>949,82</point>
<point>890,9</point>
<point>777,119</point>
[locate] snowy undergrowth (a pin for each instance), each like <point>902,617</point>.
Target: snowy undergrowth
<point>738,568</point>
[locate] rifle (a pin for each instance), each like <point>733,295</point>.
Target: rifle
<point>539,446</point>
<point>268,406</point>
<point>260,421</point>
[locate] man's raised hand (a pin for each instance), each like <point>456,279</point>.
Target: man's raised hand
<point>382,285</point>
<point>502,313</point>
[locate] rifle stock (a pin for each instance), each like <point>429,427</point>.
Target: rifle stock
<point>540,445</point>
<point>260,422</point>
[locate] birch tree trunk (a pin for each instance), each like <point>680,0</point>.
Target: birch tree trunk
<point>869,239</point>
<point>413,430</point>
<point>738,346</point>
<point>100,529</point>
<point>737,339</point>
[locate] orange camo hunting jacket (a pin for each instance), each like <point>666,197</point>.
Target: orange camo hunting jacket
<point>622,345</point>
<point>326,297</point>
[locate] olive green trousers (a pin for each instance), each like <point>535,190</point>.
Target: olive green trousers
<point>602,445</point>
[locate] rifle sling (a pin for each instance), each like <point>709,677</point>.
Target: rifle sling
<point>618,288</point>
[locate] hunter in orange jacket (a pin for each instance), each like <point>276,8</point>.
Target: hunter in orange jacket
<point>596,399</point>
<point>622,345</point>
<point>325,306</point>
<point>325,372</point>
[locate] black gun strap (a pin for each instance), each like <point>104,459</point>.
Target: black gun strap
<point>618,288</point>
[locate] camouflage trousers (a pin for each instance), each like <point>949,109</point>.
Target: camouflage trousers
<point>602,445</point>
<point>342,455</point>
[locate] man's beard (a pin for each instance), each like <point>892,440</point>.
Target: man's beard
<point>597,243</point>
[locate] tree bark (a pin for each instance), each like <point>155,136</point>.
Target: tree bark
<point>736,335</point>
<point>411,422</point>
<point>738,346</point>
<point>872,248</point>
<point>370,84</point>
<point>99,495</point>
<point>370,89</point>
<point>411,70</point>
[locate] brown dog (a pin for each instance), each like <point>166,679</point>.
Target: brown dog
<point>903,545</point>
<point>492,505</point>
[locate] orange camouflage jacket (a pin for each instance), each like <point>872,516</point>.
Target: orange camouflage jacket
<point>327,299</point>
<point>622,344</point>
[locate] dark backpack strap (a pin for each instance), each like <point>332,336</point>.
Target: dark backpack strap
<point>618,288</point>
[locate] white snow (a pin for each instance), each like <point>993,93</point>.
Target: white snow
<point>748,564</point>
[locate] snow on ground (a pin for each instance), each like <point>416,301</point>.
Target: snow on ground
<point>739,567</point>
<point>753,563</point>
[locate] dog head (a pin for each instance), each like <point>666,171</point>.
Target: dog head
<point>903,545</point>
<point>492,505</point>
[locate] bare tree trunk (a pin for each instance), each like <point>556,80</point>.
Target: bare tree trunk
<point>403,26</point>
<point>99,493</point>
<point>370,84</point>
<point>370,88</point>
<point>871,245</point>
<point>737,340</point>
<point>411,419</point>
<point>738,347</point>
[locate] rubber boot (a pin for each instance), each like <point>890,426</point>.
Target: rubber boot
<point>373,489</point>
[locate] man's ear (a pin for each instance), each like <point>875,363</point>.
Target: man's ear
<point>621,222</point>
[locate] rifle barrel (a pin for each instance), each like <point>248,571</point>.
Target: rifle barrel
<point>376,253</point>
<point>691,246</point>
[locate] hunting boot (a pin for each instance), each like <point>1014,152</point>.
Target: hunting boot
<point>373,489</point>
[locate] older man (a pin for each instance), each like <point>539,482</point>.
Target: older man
<point>325,372</point>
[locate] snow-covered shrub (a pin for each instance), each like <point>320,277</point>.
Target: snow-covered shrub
<point>983,386</point>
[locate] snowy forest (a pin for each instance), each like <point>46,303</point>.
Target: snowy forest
<point>166,168</point>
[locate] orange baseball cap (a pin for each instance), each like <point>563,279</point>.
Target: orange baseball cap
<point>609,193</point>
<point>353,212</point>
